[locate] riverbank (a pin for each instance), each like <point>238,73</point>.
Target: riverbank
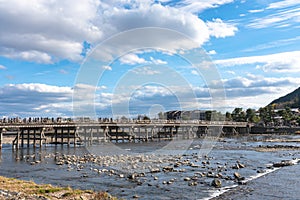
<point>11,188</point>
<point>280,184</point>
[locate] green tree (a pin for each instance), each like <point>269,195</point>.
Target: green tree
<point>228,116</point>
<point>238,115</point>
<point>267,114</point>
<point>250,115</point>
<point>208,115</point>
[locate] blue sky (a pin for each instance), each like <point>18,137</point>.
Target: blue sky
<point>100,58</point>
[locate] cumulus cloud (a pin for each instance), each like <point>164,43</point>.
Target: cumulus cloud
<point>106,67</point>
<point>43,31</point>
<point>158,61</point>
<point>194,72</point>
<point>253,81</point>
<point>132,59</point>
<point>212,52</point>
<point>217,28</point>
<point>255,91</point>
<point>35,100</point>
<point>49,31</point>
<point>46,100</point>
<point>279,62</point>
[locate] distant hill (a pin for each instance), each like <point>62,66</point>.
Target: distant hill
<point>291,100</point>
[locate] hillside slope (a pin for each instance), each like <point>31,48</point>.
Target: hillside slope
<point>291,100</point>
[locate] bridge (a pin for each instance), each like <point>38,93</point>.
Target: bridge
<point>117,131</point>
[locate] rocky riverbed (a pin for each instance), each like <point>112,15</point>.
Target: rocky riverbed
<point>169,174</point>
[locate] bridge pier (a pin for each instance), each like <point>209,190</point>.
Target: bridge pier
<point>66,133</point>
<point>1,137</point>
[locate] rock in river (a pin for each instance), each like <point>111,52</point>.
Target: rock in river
<point>237,175</point>
<point>154,170</point>
<point>216,183</point>
<point>283,163</point>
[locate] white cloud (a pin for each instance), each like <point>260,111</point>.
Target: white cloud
<point>281,18</point>
<point>212,52</point>
<point>35,99</point>
<point>283,4</point>
<point>2,67</point>
<point>35,56</point>
<point>158,61</point>
<point>231,72</point>
<point>194,72</point>
<point>44,31</point>
<point>196,6</point>
<point>132,59</point>
<point>257,91</point>
<point>106,67</point>
<point>38,87</point>
<point>49,31</point>
<point>46,100</point>
<point>256,11</point>
<point>217,28</point>
<point>279,62</point>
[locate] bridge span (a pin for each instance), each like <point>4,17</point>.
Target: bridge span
<point>117,131</point>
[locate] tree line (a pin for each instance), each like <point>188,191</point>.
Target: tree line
<point>266,115</point>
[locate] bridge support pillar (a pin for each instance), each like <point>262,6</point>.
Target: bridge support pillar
<point>1,138</point>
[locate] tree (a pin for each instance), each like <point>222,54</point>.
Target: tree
<point>124,119</point>
<point>228,116</point>
<point>146,118</point>
<point>238,115</point>
<point>267,114</point>
<point>208,115</point>
<point>250,115</point>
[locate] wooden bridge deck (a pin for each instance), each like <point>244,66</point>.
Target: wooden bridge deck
<point>72,132</point>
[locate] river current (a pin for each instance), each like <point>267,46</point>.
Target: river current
<point>150,171</point>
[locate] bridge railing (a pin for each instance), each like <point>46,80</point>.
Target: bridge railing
<point>129,122</point>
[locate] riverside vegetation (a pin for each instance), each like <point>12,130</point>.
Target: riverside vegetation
<point>11,188</point>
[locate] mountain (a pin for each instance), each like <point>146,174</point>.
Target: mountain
<point>291,100</point>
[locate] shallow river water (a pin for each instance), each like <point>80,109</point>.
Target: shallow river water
<point>154,170</point>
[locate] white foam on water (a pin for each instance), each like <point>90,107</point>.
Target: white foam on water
<point>217,193</point>
<point>221,191</point>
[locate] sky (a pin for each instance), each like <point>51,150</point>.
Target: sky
<point>112,58</point>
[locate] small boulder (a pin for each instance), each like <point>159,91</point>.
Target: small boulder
<point>283,163</point>
<point>236,166</point>
<point>193,183</point>
<point>237,175</point>
<point>154,170</point>
<point>241,165</point>
<point>216,183</point>
<point>168,169</point>
<point>131,176</point>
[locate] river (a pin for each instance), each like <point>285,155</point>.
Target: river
<point>158,170</point>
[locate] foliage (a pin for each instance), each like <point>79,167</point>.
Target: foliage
<point>238,115</point>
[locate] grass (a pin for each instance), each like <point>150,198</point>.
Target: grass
<point>29,188</point>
